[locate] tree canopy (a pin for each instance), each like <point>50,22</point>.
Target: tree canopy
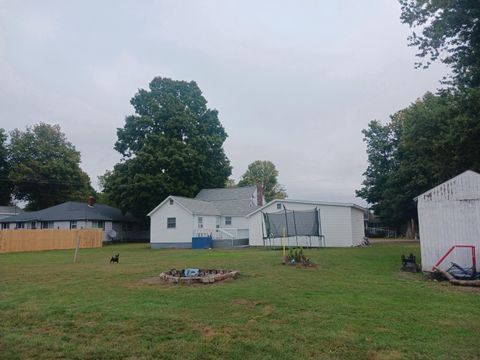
<point>173,144</point>
<point>45,167</point>
<point>450,32</point>
<point>265,173</point>
<point>432,140</point>
<point>5,183</point>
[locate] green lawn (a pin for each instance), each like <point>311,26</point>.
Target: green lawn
<point>354,305</point>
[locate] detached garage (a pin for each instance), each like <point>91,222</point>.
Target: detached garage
<point>449,215</point>
<point>337,224</point>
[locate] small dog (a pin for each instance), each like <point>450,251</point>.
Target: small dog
<point>115,259</point>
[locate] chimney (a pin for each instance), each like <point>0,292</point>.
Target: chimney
<point>91,201</point>
<point>259,194</point>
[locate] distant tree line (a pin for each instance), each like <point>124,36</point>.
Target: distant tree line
<point>438,136</point>
<point>39,166</point>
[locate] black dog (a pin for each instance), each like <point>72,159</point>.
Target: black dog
<point>115,259</point>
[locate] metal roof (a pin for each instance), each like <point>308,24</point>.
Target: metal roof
<point>73,211</point>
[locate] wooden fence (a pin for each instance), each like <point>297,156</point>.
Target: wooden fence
<point>48,239</point>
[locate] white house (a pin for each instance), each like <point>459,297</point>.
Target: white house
<point>448,215</point>
<point>340,224</point>
<point>80,215</point>
<point>219,213</point>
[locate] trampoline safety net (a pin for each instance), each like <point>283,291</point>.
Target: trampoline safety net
<point>288,223</point>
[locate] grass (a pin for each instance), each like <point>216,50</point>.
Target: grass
<point>354,305</point>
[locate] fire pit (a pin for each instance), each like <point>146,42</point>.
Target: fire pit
<point>197,276</point>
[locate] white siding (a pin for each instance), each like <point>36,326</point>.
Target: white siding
<point>238,222</point>
<point>209,225</point>
<point>358,226</point>
<point>159,233</point>
<point>336,221</point>
<point>448,215</point>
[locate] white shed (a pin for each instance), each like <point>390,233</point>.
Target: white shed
<point>448,215</point>
<point>341,224</point>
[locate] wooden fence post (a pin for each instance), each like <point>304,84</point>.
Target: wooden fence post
<point>76,249</point>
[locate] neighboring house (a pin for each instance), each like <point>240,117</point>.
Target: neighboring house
<point>219,213</point>
<point>448,215</point>
<point>341,224</point>
<point>78,215</point>
<point>6,211</point>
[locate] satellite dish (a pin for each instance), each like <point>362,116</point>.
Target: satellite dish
<point>112,234</point>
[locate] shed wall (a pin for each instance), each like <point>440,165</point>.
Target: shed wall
<point>444,223</point>
<point>358,226</point>
<point>336,222</point>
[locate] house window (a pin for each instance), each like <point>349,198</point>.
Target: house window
<point>228,220</point>
<point>97,224</point>
<point>5,226</point>
<point>171,223</point>
<point>127,226</point>
<point>279,206</point>
<point>20,225</point>
<point>73,224</point>
<point>200,222</point>
<point>33,225</point>
<point>46,225</point>
<point>171,201</point>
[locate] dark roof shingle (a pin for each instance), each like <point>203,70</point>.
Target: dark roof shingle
<point>71,210</point>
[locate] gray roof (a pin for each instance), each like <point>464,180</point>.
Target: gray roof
<point>224,194</point>
<point>235,207</point>
<point>197,207</point>
<point>235,201</point>
<point>73,211</point>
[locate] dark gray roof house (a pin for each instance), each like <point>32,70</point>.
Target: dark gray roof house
<point>72,211</point>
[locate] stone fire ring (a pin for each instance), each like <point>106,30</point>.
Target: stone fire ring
<point>205,276</point>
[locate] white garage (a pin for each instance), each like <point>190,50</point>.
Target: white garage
<point>449,215</point>
<point>339,224</point>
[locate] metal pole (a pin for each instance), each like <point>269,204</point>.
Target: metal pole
<point>320,233</point>
<point>286,221</point>
<point>295,227</point>
<point>263,237</point>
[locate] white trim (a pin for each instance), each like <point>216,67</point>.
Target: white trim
<point>307,202</point>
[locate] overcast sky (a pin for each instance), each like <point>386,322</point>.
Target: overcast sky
<point>294,82</point>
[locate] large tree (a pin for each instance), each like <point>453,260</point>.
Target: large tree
<point>45,167</point>
<point>424,145</point>
<point>172,145</point>
<point>265,173</point>
<point>5,183</point>
<point>450,32</point>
